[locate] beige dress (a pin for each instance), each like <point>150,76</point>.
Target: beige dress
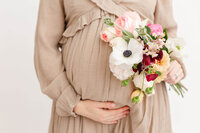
<point>71,63</point>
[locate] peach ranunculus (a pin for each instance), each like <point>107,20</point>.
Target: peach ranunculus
<point>137,96</point>
<point>129,21</point>
<point>156,29</point>
<point>162,66</point>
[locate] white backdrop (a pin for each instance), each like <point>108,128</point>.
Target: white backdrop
<point>24,109</point>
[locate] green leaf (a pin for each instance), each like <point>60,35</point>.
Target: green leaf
<point>170,52</point>
<point>135,66</point>
<point>166,36</point>
<point>158,72</point>
<point>149,38</point>
<point>148,30</point>
<point>153,37</point>
<point>108,21</point>
<point>145,40</point>
<point>127,33</point>
<point>149,90</point>
<point>166,49</point>
<point>125,82</point>
<point>126,38</point>
<point>149,71</point>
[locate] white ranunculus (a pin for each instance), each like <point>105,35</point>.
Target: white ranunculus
<point>176,45</point>
<point>119,46</point>
<point>108,34</point>
<point>138,81</point>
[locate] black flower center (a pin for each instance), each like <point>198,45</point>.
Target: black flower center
<point>127,53</point>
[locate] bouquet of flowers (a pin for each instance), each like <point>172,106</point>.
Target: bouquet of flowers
<point>141,52</point>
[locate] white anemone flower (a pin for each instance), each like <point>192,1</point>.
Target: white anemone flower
<point>119,72</point>
<point>126,54</point>
<point>176,46</point>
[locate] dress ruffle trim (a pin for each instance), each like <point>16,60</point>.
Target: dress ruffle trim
<point>109,6</point>
<point>117,7</point>
<point>83,21</point>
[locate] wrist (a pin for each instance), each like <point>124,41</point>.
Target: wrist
<point>77,108</point>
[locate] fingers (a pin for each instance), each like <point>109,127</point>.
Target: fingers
<point>179,78</point>
<point>111,116</point>
<point>108,105</point>
<point>172,78</point>
<point>172,66</point>
<point>118,116</point>
<point>175,73</point>
<point>117,111</point>
<point>110,122</point>
<point>114,115</point>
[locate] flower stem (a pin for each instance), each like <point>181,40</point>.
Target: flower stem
<point>143,80</point>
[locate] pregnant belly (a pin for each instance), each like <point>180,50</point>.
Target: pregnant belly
<point>86,59</point>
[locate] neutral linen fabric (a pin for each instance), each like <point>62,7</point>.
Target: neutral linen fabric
<point>71,63</point>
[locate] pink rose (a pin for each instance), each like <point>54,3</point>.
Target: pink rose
<point>129,21</point>
<point>155,29</point>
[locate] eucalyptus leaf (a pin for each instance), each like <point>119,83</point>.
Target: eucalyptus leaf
<point>108,21</point>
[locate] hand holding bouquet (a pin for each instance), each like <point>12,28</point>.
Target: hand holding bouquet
<point>141,52</point>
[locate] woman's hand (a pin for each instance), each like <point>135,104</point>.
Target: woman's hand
<point>175,73</point>
<point>102,112</point>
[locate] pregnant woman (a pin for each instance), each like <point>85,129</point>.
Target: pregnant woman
<point>72,65</point>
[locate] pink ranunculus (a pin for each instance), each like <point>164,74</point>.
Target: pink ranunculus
<point>108,34</point>
<point>129,21</point>
<point>155,29</point>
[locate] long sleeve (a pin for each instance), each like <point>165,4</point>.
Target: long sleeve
<point>48,58</point>
<point>163,15</point>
